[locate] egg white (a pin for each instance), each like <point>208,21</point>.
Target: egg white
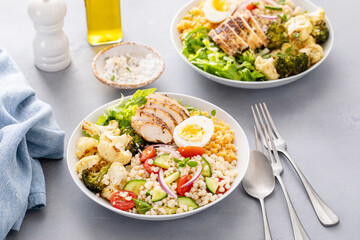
<point>216,16</point>
<point>204,122</point>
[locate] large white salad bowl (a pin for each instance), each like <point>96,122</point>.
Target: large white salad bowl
<point>241,144</point>
<point>304,4</point>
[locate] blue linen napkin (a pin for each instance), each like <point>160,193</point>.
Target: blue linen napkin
<point>28,131</point>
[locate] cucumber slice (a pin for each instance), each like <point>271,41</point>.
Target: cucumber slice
<point>188,202</point>
<point>158,195</point>
<point>162,161</point>
<point>170,210</point>
<point>206,172</point>
<point>134,185</point>
<point>172,177</point>
<point>211,184</point>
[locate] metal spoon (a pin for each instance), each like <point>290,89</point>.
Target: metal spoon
<point>259,182</point>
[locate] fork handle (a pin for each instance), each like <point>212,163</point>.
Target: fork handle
<point>326,216</point>
<point>298,229</point>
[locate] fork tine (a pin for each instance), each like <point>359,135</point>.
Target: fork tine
<point>276,131</point>
<point>270,135</point>
<point>259,146</point>
<point>263,136</point>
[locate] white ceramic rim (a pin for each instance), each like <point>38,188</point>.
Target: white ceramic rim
<point>243,84</point>
<point>244,148</point>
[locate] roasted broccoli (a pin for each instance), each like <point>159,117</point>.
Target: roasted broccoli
<point>289,65</point>
<point>136,143</point>
<point>277,35</point>
<point>320,32</point>
<point>92,177</point>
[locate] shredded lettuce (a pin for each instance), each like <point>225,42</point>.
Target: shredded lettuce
<point>201,51</point>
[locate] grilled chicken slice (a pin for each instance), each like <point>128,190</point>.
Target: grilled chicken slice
<point>153,103</point>
<point>215,37</point>
<point>232,33</point>
<point>164,116</point>
<point>227,38</point>
<point>147,117</point>
<point>255,27</point>
<point>247,34</point>
<point>152,131</point>
<point>173,101</point>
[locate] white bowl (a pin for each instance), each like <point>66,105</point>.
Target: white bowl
<point>133,49</point>
<point>241,144</point>
<point>304,4</point>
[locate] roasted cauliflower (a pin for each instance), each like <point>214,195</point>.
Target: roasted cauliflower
<point>115,179</point>
<point>299,28</point>
<point>86,146</point>
<point>314,52</point>
<point>112,148</point>
<point>87,162</point>
<point>95,131</point>
<point>266,67</point>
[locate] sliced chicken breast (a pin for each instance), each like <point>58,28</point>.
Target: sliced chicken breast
<point>227,38</point>
<point>158,95</point>
<point>231,31</point>
<point>152,132</point>
<point>153,103</point>
<point>147,117</point>
<point>247,33</point>
<point>255,27</point>
<point>215,37</point>
<point>164,116</point>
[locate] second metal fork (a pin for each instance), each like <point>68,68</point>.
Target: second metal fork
<point>267,140</point>
<point>325,215</point>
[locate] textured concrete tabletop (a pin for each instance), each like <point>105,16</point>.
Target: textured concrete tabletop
<point>319,116</point>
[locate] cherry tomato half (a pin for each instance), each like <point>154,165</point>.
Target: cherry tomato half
<point>120,202</point>
<point>218,191</point>
<point>190,151</point>
<point>148,166</point>
<point>182,190</point>
<point>147,153</point>
<point>251,7</point>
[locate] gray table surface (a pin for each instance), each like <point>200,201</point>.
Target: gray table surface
<point>318,115</point>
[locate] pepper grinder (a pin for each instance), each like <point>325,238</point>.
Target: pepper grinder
<point>51,45</point>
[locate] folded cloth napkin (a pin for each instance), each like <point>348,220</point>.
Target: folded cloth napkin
<point>28,131</point>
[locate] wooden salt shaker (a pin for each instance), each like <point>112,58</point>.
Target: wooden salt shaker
<point>51,45</point>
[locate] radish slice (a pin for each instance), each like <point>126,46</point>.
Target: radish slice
<point>169,150</point>
<point>164,185</point>
<point>266,17</point>
<point>196,176</point>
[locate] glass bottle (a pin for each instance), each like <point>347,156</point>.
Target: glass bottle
<point>103,21</point>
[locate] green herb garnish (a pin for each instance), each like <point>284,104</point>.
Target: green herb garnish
<point>273,8</point>
<point>112,78</point>
<point>128,69</point>
<point>213,112</point>
<point>141,206</point>
<point>192,164</point>
<point>283,17</point>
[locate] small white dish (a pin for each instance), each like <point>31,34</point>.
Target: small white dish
<point>304,4</point>
<point>133,49</point>
<point>240,142</point>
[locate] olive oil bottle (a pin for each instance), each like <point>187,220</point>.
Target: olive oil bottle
<point>103,21</point>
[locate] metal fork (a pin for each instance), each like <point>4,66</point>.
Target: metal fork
<point>326,216</point>
<point>266,137</point>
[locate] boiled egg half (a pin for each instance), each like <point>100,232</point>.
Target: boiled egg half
<point>218,10</point>
<point>194,131</point>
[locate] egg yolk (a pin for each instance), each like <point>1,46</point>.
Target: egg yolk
<point>222,5</point>
<point>192,132</point>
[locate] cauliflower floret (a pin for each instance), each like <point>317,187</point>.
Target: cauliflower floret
<point>112,148</point>
<point>86,146</point>
<point>299,28</point>
<point>95,130</point>
<point>316,16</point>
<point>87,162</point>
<point>266,67</point>
<point>314,52</point>
<point>116,178</point>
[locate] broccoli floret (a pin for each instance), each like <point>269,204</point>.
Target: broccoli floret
<point>289,65</point>
<point>136,143</point>
<point>277,35</point>
<point>92,177</point>
<point>320,32</point>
